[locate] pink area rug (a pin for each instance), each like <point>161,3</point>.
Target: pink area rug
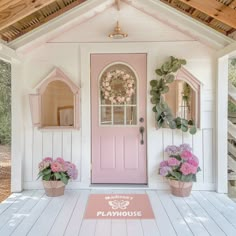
<point>118,206</point>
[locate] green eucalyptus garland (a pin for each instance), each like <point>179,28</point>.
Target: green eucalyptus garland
<point>163,114</point>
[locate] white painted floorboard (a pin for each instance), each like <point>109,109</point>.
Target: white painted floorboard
<point>33,213</point>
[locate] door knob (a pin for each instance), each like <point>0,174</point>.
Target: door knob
<point>141,130</point>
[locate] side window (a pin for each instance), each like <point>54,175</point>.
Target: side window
<point>184,96</point>
<point>56,103</point>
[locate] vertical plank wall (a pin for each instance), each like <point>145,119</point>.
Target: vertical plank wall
<point>68,143</point>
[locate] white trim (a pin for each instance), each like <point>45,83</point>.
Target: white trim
<point>8,54</point>
<point>17,127</point>
<point>222,126</point>
<point>230,50</point>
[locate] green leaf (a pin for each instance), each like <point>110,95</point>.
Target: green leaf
<point>184,128</point>
<point>47,177</point>
<point>154,109</point>
<point>190,122</point>
<point>187,178</point>
<point>184,122</point>
<point>194,178</point>
<point>175,68</point>
<point>153,92</point>
<point>170,78</point>
<point>153,83</point>
<point>166,66</point>
<point>40,174</point>
<point>64,180</point>
<point>154,100</point>
<point>193,130</point>
<point>57,175</point>
<point>177,175</point>
<point>172,125</point>
<point>165,89</point>
<point>46,171</point>
<point>183,61</point>
<point>159,72</point>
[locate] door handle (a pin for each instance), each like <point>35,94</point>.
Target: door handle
<point>141,130</point>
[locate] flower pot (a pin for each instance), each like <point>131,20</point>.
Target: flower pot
<point>54,188</point>
<point>179,188</point>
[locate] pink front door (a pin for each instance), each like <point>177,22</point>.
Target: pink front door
<point>118,109</point>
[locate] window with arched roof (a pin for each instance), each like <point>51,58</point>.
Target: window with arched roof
<point>56,102</point>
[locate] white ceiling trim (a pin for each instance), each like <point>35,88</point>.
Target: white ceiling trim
<point>8,54</point>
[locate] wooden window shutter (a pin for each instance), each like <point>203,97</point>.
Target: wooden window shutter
<point>35,108</point>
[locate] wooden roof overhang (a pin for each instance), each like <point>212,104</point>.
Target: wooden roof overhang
<point>217,14</point>
<point>18,17</point>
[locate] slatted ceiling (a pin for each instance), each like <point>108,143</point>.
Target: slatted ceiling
<point>43,15</point>
<point>217,14</point>
<point>223,19</point>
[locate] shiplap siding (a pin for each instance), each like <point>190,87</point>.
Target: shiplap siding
<point>72,56</point>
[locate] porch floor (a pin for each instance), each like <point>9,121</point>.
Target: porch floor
<point>33,213</point>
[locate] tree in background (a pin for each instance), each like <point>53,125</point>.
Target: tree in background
<point>5,102</point>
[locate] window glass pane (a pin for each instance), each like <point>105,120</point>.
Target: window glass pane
<point>118,91</point>
<point>131,118</point>
<point>118,115</point>
<point>106,118</point>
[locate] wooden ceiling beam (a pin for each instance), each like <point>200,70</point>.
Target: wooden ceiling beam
<point>19,10</point>
<point>117,4</point>
<point>214,9</point>
<point>233,4</point>
<point>194,14</point>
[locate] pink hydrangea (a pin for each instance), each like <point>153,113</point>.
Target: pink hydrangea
<point>48,159</point>
<point>185,147</point>
<point>193,162</point>
<point>172,150</point>
<point>195,158</point>
<point>43,165</point>
<point>60,160</point>
<point>173,161</point>
<point>186,155</point>
<point>73,173</point>
<point>56,166</point>
<point>163,163</point>
<point>187,169</point>
<point>164,170</point>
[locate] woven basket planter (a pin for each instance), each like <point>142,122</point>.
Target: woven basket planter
<point>180,189</point>
<point>54,188</point>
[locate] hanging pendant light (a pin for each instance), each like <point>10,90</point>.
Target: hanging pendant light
<point>117,33</point>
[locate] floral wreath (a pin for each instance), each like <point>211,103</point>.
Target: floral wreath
<point>117,94</point>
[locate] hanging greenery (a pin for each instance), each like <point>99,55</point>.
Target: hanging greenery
<point>163,114</point>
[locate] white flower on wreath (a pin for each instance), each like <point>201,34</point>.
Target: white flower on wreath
<point>118,96</point>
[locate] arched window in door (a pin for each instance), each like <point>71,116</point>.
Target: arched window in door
<point>118,96</point>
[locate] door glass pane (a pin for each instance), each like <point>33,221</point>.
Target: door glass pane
<point>106,118</point>
<point>118,115</point>
<point>118,91</point>
<point>131,118</point>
